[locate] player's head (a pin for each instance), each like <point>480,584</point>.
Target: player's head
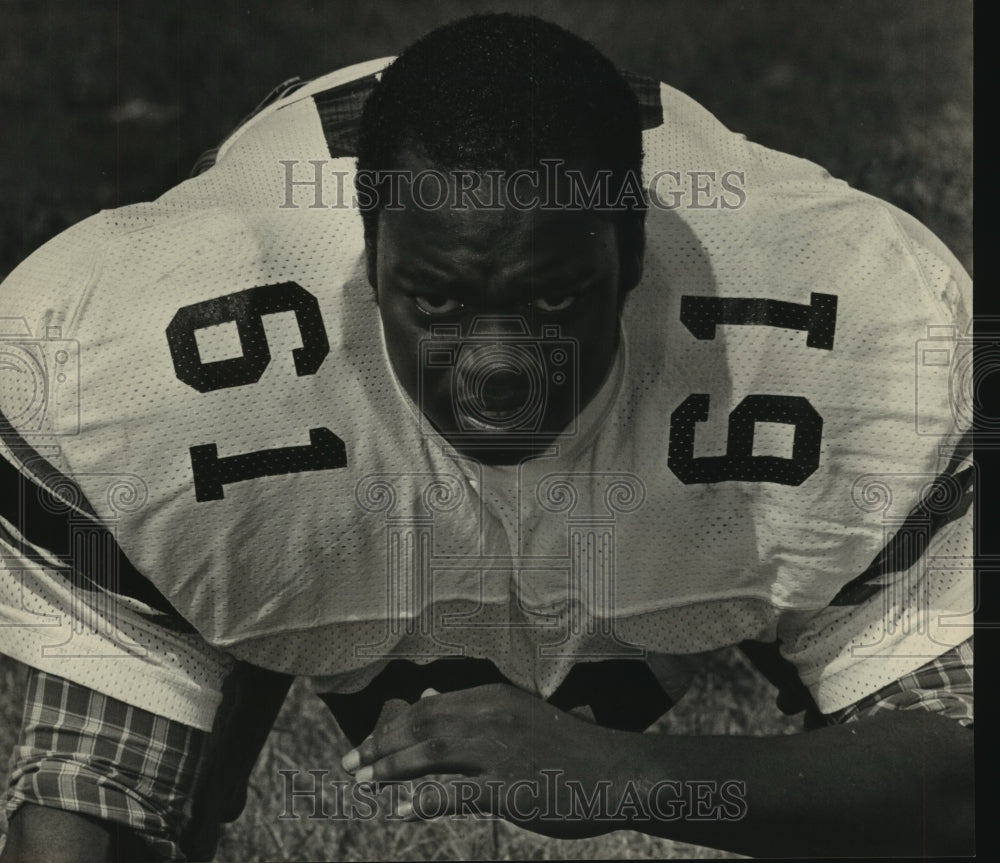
<point>503,92</point>
<point>547,135</point>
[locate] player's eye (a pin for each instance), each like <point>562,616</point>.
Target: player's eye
<point>437,305</point>
<point>553,304</point>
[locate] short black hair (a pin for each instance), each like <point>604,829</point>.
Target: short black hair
<point>504,91</point>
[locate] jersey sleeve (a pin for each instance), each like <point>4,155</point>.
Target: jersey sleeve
<point>903,620</point>
<point>915,602</point>
<point>59,566</point>
<point>54,620</point>
<point>943,686</point>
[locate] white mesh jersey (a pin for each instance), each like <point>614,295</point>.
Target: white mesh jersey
<point>201,383</point>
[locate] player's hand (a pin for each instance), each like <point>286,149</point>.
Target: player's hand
<point>510,755</point>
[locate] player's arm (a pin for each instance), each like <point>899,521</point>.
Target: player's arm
<point>41,833</point>
<point>93,778</point>
<point>96,779</point>
<point>896,782</point>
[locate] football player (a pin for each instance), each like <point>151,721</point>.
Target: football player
<point>590,385</point>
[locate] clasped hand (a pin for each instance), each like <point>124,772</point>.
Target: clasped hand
<point>517,757</point>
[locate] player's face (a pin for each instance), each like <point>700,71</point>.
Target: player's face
<point>501,324</point>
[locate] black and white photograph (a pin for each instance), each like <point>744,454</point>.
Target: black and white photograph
<point>488,430</point>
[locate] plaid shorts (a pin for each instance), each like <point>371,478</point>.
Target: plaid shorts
<point>171,784</point>
<point>85,752</point>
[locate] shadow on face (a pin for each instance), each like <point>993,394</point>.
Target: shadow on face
<point>501,320</point>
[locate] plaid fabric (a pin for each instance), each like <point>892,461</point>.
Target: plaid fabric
<point>943,685</point>
<point>85,752</point>
<point>339,111</point>
<point>647,91</point>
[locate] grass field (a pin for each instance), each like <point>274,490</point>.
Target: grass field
<point>107,103</point>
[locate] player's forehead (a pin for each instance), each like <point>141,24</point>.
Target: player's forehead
<point>489,223</point>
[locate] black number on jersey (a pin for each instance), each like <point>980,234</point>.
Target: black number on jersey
<point>819,319</point>
<point>701,315</point>
<point>325,451</point>
<point>739,462</point>
<point>246,309</point>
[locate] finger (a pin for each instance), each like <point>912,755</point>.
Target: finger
<point>393,707</point>
<point>462,714</point>
<point>451,714</point>
<point>431,717</point>
<point>464,756</point>
<point>352,760</point>
<point>457,796</point>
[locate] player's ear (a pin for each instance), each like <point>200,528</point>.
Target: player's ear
<point>370,266</point>
<point>631,249</point>
<point>637,254</point>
